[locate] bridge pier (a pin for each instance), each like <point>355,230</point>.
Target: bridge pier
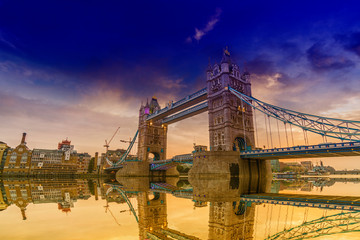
<point>227,164</point>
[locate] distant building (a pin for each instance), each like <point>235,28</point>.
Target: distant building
<point>275,165</point>
<point>308,165</point>
<point>63,160</point>
<point>18,192</point>
<point>83,161</point>
<point>200,148</point>
<point>18,160</point>
<point>3,153</point>
<point>291,166</point>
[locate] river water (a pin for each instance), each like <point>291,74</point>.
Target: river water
<point>179,208</point>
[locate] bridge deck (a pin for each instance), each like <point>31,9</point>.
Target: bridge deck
<point>311,151</point>
<point>301,200</point>
<point>180,105</point>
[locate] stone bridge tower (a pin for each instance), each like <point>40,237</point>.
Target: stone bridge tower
<point>230,120</point>
<point>231,221</point>
<point>152,134</point>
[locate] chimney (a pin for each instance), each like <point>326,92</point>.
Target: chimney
<point>96,161</point>
<point>23,138</point>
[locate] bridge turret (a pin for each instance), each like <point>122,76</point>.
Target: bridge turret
<point>229,128</point>
<point>152,133</point>
<point>225,61</point>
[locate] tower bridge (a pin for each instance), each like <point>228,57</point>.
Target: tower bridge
<point>233,135</point>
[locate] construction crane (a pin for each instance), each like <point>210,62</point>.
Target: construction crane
<point>107,143</point>
<point>125,141</point>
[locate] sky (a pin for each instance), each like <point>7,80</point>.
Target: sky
<point>80,69</point>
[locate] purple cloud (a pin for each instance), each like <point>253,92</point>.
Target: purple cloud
<point>200,33</point>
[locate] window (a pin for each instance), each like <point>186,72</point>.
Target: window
<point>13,194</point>
<point>13,157</point>
<point>24,158</point>
<point>24,193</point>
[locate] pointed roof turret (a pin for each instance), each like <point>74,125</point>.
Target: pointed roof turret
<point>226,56</point>
<point>154,105</point>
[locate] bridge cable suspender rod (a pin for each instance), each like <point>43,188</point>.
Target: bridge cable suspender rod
<point>277,123</point>
<point>271,140</point>
<point>329,127</point>
<point>267,135</point>
<point>287,140</point>
<point>243,120</point>
<point>256,132</point>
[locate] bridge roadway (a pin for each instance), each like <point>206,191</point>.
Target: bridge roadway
<point>310,151</point>
<point>169,163</point>
<point>302,200</point>
<point>180,105</point>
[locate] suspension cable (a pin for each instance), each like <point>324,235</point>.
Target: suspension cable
<point>278,221</point>
<point>267,135</point>
<point>266,222</point>
<point>270,219</point>
<point>256,132</point>
<point>292,135</point>
<point>287,140</point>
<point>304,137</point>
<point>277,123</point>
<point>243,118</point>
<point>286,216</point>
<point>256,219</point>
<point>307,138</point>
<point>272,146</point>
<point>292,215</point>
<point>244,221</point>
<point>306,214</point>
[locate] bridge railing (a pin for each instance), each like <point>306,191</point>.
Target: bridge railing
<point>309,147</point>
<point>180,102</point>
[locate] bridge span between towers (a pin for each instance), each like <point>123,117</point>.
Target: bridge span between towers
<point>233,129</point>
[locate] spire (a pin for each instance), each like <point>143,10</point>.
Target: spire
<point>226,56</point>
<point>23,213</point>
<point>209,67</point>
<point>23,138</point>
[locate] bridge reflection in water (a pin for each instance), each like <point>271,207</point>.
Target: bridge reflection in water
<point>226,208</point>
<point>240,208</point>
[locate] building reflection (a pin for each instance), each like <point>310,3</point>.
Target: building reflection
<point>231,215</point>
<point>22,192</point>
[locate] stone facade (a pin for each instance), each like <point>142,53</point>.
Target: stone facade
<point>230,120</point>
<point>18,160</point>
<point>152,134</point>
<point>152,213</point>
<point>227,222</point>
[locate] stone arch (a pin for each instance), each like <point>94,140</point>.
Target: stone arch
<point>241,143</point>
<point>243,207</point>
<point>153,156</point>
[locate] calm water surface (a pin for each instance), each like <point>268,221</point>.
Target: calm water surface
<point>177,209</point>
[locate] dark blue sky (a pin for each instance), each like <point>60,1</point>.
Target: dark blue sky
<point>111,40</point>
<point>69,59</point>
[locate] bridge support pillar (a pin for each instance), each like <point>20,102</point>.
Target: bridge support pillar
<point>227,164</point>
<point>134,169</point>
